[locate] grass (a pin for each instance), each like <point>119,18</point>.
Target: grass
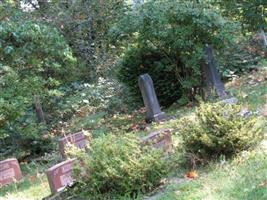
<point>251,89</point>
<point>242,178</point>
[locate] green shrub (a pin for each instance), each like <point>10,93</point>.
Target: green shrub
<point>118,164</point>
<point>146,59</point>
<point>105,95</point>
<point>166,39</point>
<point>219,129</point>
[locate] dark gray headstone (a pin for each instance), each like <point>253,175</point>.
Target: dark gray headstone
<point>150,99</point>
<point>212,75</point>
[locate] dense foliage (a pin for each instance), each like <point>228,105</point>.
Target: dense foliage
<point>34,60</point>
<point>167,41</point>
<point>252,14</point>
<point>241,56</point>
<point>120,165</point>
<point>219,129</point>
<point>85,25</point>
<point>81,99</point>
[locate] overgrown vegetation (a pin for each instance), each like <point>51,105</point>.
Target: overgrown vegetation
<point>83,58</point>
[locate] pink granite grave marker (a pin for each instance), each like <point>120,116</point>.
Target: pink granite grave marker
<point>60,175</point>
<point>9,171</point>
<point>77,139</point>
<point>159,139</point>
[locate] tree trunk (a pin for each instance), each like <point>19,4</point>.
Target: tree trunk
<point>39,110</point>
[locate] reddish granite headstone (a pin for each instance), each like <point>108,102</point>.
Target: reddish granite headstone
<point>77,139</point>
<point>60,175</point>
<point>9,171</point>
<point>159,139</point>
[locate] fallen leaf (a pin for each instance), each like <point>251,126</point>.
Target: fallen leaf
<point>191,175</point>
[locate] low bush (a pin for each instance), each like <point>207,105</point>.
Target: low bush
<point>120,165</point>
<point>219,129</point>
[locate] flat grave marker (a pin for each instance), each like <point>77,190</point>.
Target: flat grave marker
<point>60,176</point>
<point>9,171</point>
<point>77,139</point>
<point>161,139</point>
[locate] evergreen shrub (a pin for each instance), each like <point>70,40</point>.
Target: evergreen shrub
<point>119,165</point>
<point>219,129</point>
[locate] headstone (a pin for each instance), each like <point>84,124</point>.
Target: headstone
<point>159,139</point>
<point>9,171</point>
<point>60,176</point>
<point>77,139</point>
<point>212,75</point>
<point>150,99</point>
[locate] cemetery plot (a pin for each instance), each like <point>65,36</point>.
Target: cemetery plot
<point>77,139</point>
<point>60,176</point>
<point>9,171</point>
<point>159,139</point>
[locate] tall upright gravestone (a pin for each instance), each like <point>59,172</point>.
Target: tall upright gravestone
<point>150,99</point>
<point>212,75</point>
